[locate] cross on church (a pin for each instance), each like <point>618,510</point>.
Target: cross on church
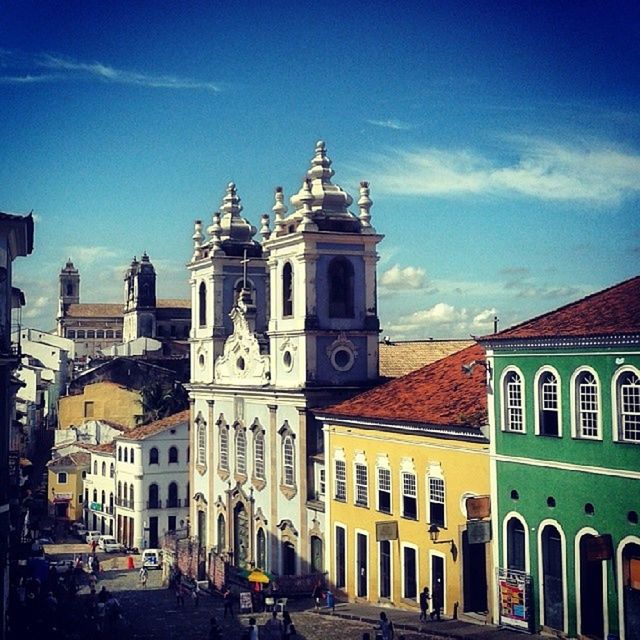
<point>245,261</point>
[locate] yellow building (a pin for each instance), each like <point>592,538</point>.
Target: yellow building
<point>401,462</point>
<point>66,477</point>
<point>101,401</point>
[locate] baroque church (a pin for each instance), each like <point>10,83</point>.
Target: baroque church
<point>95,327</point>
<point>281,326</point>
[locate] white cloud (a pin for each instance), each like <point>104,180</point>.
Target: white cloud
<point>391,123</point>
<point>81,255</point>
<point>36,307</point>
<point>400,279</point>
<point>23,70</point>
<point>592,172</point>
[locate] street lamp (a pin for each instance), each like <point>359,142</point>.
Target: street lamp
<point>434,534</point>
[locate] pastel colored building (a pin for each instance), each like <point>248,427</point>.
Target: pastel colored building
<point>402,461</point>
<point>65,480</point>
<point>565,431</point>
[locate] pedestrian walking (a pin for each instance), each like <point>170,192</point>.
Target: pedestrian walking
<point>179,587</point>
<point>227,600</point>
<point>385,627</point>
<point>317,596</point>
<point>195,594</point>
<point>252,632</point>
<point>288,630</point>
<point>424,604</point>
<point>144,575</point>
<point>273,628</point>
<point>437,599</point>
<point>331,601</point>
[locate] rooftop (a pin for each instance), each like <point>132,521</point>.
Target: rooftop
<point>151,429</point>
<point>437,394</point>
<point>612,311</point>
<point>399,358</point>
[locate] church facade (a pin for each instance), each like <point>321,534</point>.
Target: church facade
<point>280,327</point>
<point>94,327</point>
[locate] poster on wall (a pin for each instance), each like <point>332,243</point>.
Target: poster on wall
<point>513,598</point>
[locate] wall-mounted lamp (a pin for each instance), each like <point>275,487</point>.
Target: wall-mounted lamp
<point>467,369</point>
<point>434,534</point>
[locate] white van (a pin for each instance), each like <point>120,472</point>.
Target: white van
<point>152,558</point>
<point>109,544</point>
<point>92,535</point>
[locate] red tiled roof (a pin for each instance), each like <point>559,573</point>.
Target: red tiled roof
<point>612,311</point>
<point>177,303</point>
<point>146,430</point>
<point>402,357</point>
<point>438,394</point>
<point>95,310</point>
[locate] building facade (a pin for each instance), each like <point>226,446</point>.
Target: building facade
<point>16,239</point>
<point>279,327</point>
<point>565,419</point>
<point>66,476</point>
<point>403,460</point>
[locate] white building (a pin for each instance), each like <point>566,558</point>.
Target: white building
<point>151,482</point>
<point>279,327</point>
<point>99,489</point>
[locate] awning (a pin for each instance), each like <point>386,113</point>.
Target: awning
<point>258,576</point>
<point>25,462</point>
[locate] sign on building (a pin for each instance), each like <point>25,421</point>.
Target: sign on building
<point>478,507</point>
<point>514,598</point>
<point>387,530</point>
<point>479,531</point>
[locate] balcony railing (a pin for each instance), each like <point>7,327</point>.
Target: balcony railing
<point>171,503</point>
<point>127,504</point>
<point>154,504</point>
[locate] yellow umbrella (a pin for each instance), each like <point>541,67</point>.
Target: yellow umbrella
<point>258,576</point>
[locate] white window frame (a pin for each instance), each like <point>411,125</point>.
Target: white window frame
<point>340,525</point>
<point>340,482</point>
<point>223,447</point>
<point>258,455</point>
<point>288,465</point>
<point>507,406</point>
<point>405,474</point>
<point>438,478</point>
<point>66,477</point>
<point>539,399</point>
<point>201,435</point>
<point>403,546</point>
<point>617,426</point>
<point>241,451</point>
<point>386,470</point>
<point>358,486</point>
<point>576,409</point>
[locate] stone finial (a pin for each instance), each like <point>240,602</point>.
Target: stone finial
<point>197,240</point>
<point>279,209</point>
<point>306,198</point>
<point>265,230</point>
<point>214,231</point>
<point>231,201</point>
<point>364,203</point>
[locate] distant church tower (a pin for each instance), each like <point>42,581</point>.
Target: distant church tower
<point>219,265</point>
<point>69,279</point>
<point>324,320</point>
<point>140,300</point>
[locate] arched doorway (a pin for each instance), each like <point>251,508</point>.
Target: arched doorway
<point>591,592</point>
<point>240,536</point>
<point>552,578</point>
<point>288,559</point>
<point>317,555</point>
<point>631,590</point>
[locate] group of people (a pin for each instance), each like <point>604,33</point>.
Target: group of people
<point>273,629</point>
<point>436,602</point>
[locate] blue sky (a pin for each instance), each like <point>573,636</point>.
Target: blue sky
<point>501,141</point>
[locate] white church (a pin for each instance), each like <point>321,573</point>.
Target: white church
<point>280,326</point>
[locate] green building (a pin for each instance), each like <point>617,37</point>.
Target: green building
<point>564,409</point>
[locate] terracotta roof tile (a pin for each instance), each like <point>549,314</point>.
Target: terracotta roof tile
<point>399,358</point>
<point>74,459</point>
<point>438,394</point>
<point>612,311</point>
<point>177,303</point>
<point>95,310</point>
<point>146,430</point>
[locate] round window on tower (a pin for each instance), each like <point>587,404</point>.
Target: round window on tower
<point>342,359</point>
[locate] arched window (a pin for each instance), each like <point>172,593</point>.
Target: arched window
<point>513,402</point>
<point>288,462</point>
<point>100,334</point>
<point>112,470</point>
<point>119,491</point>
<point>153,455</point>
<point>628,406</point>
<point>95,495</point>
<point>202,304</point>
<point>586,405</point>
<point>287,290</point>
<point>104,468</point>
<point>224,447</point>
<point>241,452</point>
<point>340,288</point>
<point>261,549</point>
<point>81,334</point>
<point>126,454</point>
<point>131,456</point>
<point>131,496</point>
<point>172,495</point>
<point>69,289</point>
<point>103,497</point>
<point>91,333</point>
<point>119,454</point>
<point>201,439</point>
<point>221,534</point>
<point>548,404</point>
<point>95,467</point>
<point>125,494</point>
<point>111,502</point>
<point>173,455</point>
<point>515,545</point>
<point>258,455</point>
<point>71,333</point>
<point>153,496</point>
